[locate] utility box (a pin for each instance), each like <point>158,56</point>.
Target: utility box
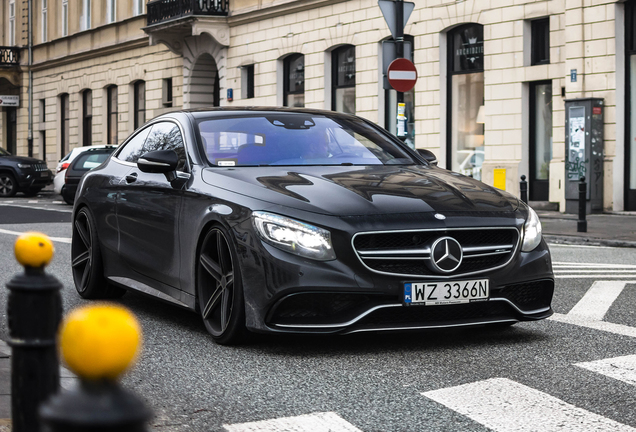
<point>584,150</point>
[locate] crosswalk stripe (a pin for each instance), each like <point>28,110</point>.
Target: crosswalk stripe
<point>507,406</point>
<point>620,368</point>
<point>597,300</point>
<point>316,422</point>
<point>55,239</point>
<point>594,265</point>
<point>618,329</point>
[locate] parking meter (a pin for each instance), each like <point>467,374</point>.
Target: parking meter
<point>584,152</point>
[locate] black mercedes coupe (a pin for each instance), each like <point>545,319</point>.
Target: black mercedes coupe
<point>303,221</point>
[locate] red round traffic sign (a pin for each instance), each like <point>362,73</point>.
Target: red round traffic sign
<point>402,74</point>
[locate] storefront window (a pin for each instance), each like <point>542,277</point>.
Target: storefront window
<point>294,92</point>
<point>344,79</point>
<point>466,96</point>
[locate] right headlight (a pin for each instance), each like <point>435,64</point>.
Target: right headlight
<point>531,232</point>
<point>294,236</point>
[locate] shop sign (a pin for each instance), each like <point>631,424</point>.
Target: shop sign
<point>9,101</point>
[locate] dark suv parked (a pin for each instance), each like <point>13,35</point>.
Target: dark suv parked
<point>22,174</point>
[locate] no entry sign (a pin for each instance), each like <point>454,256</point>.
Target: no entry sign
<point>402,74</point>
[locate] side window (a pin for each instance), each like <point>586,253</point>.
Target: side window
<point>166,136</point>
<point>133,148</point>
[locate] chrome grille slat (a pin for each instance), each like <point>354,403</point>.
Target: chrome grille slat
<point>400,261</point>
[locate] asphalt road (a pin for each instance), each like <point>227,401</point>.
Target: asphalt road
<point>549,376</point>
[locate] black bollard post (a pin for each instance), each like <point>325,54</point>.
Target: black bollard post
<point>523,189</point>
<point>34,311</point>
<point>581,224</point>
<point>98,343</point>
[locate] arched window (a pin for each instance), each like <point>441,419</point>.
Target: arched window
<point>343,79</point>
<point>139,103</point>
<point>465,133</point>
<point>87,117</point>
<point>111,114</point>
<point>294,78</point>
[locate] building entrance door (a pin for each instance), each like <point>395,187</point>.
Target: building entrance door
<point>540,140</point>
<point>12,123</point>
<point>630,133</point>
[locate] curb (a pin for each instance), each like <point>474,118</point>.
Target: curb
<point>588,241</point>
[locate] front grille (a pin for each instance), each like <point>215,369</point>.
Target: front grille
<point>437,315</point>
<point>405,253</point>
<point>40,167</point>
<point>528,296</point>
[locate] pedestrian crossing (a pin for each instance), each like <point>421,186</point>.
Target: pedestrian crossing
<point>572,270</point>
<point>500,404</point>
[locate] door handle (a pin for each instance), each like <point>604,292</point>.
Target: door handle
<point>131,178</point>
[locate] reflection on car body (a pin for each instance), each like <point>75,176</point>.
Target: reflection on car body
<point>303,221</point>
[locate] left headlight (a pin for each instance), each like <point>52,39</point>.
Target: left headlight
<point>294,236</point>
<point>531,232</point>
<point>24,166</point>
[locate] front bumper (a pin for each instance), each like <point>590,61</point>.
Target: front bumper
<point>286,293</point>
<point>35,179</point>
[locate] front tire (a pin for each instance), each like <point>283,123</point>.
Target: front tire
<point>8,185</point>
<point>86,260</point>
<point>219,288</point>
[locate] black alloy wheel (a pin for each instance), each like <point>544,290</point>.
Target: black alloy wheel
<point>219,289</point>
<point>8,185</point>
<point>86,260</point>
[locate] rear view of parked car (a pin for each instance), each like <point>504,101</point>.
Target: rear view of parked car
<point>66,161</point>
<point>83,163</point>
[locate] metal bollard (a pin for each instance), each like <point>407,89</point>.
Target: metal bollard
<point>34,310</point>
<point>523,189</point>
<point>98,343</point>
<point>581,224</point>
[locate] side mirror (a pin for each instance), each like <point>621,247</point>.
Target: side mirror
<point>159,161</point>
<point>428,156</point>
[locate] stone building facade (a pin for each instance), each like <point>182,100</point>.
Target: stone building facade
<point>494,75</point>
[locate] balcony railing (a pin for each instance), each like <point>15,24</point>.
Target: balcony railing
<point>9,56</point>
<point>165,10</point>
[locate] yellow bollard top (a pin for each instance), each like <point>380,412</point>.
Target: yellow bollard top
<point>100,342</point>
<point>34,249</point>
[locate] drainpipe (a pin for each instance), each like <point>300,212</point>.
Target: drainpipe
<point>30,89</point>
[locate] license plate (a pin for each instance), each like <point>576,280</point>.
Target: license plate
<point>44,174</point>
<point>444,293</point>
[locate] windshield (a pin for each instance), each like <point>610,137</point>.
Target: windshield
<point>3,152</point>
<point>297,139</point>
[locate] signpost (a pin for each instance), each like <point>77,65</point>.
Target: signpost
<point>397,13</point>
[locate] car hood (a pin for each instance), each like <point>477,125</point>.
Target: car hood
<point>355,190</point>
<point>21,159</point>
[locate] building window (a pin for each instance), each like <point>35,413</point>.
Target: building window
<point>85,19</point>
<point>166,92</point>
<point>540,51</point>
<point>44,20</point>
<point>540,139</point>
<point>111,11</point>
<point>343,97</point>
<point>140,103</point>
<point>111,113</point>
<point>247,82</point>
<point>64,17</point>
<point>139,7</point>
<point>11,22</point>
<point>294,81</point>
<point>465,124</point>
<point>64,124</point>
<point>87,118</point>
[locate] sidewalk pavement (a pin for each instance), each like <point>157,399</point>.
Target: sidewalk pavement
<point>616,229</point>
<point>67,381</point>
